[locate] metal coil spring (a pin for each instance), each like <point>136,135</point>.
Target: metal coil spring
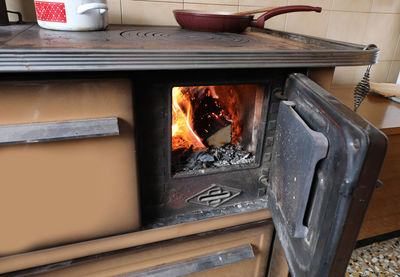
<point>362,89</point>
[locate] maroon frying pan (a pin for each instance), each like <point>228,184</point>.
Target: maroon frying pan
<point>228,22</point>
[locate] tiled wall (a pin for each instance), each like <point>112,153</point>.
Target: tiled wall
<point>357,21</point>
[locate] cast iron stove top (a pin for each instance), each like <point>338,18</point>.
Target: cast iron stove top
<point>125,47</point>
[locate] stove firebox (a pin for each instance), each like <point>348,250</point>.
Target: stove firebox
<point>205,142</point>
<point>215,126</point>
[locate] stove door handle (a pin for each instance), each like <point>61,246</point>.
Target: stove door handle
<point>291,181</point>
<point>58,130</point>
<point>197,264</point>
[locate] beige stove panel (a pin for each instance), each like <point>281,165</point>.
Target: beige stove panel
<point>54,193</point>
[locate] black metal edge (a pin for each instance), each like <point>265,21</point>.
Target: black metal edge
<point>270,253</point>
<point>361,197</point>
<point>377,239</point>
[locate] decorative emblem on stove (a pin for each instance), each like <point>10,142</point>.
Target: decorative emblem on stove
<point>214,196</point>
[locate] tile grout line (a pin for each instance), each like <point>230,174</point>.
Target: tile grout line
<point>331,7</point>
<point>329,21</point>
<point>120,11</point>
<point>364,35</point>
<point>396,48</point>
<point>388,73</point>
<point>286,18</point>
<point>393,59</point>
<point>370,6</point>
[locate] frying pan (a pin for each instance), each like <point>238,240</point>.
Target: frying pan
<point>228,22</point>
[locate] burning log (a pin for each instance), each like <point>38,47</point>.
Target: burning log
<point>221,137</point>
<point>211,122</point>
<point>204,134</point>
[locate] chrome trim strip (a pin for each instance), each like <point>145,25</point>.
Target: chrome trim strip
<point>198,264</point>
<point>58,130</point>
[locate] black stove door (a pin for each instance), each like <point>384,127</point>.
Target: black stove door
<point>325,164</point>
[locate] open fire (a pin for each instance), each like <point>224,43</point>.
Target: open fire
<point>207,125</point>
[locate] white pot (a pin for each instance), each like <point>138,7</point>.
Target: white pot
<point>72,15</point>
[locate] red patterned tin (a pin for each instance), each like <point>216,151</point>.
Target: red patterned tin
<point>51,11</point>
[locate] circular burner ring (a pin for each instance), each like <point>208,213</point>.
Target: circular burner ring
<point>189,37</point>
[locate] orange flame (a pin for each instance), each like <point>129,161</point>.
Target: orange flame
<point>183,135</point>
<point>230,103</point>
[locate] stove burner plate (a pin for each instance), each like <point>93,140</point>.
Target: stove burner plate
<point>186,37</point>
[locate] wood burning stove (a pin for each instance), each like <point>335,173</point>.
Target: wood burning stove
<point>228,123</point>
<point>305,143</point>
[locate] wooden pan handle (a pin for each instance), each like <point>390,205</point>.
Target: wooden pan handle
<point>261,10</point>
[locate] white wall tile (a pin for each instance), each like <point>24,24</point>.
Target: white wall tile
<point>347,26</point>
<point>354,74</point>
<point>149,13</point>
<point>386,6</point>
<point>352,6</point>
<point>215,2</point>
<point>263,3</point>
<point>324,4</point>
<point>211,8</point>
<point>383,30</point>
<point>393,72</point>
<point>396,55</point>
<point>114,11</point>
<point>308,23</point>
<point>379,72</point>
